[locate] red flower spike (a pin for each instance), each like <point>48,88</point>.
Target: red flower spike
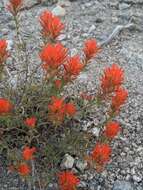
<point>112,79</point>
<point>112,129</point>
<point>67,180</point>
<point>57,104</point>
<point>119,99</point>
<point>14,6</point>
<point>70,109</point>
<point>23,169</point>
<point>91,49</point>
<point>53,56</point>
<point>28,153</point>
<point>73,67</point>
<point>101,154</point>
<point>56,110</point>
<point>5,106</point>
<point>3,51</point>
<point>51,25</point>
<point>30,122</point>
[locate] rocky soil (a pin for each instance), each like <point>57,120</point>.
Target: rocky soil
<point>89,19</point>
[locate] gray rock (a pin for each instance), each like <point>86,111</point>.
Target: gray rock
<point>122,185</point>
<point>67,162</point>
<point>133,1</point>
<point>139,188</point>
<point>93,185</point>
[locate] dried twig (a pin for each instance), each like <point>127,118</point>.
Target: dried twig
<point>115,32</point>
<point>8,72</point>
<point>33,174</point>
<point>30,7</point>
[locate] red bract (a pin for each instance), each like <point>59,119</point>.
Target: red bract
<point>51,25</point>
<point>28,153</point>
<point>119,99</point>
<point>73,67</point>
<point>30,122</point>
<point>67,180</point>
<point>14,6</point>
<point>70,109</point>
<point>53,56</point>
<point>23,169</point>
<point>56,110</point>
<point>112,79</point>
<point>111,129</point>
<point>3,51</point>
<point>5,106</point>
<point>91,49</point>
<point>101,154</point>
<point>58,83</point>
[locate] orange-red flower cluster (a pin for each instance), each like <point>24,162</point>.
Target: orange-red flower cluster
<point>73,67</point>
<point>53,56</point>
<point>58,110</point>
<point>70,109</point>
<point>30,122</point>
<point>3,51</point>
<point>24,169</point>
<point>101,154</point>
<point>119,99</point>
<point>111,129</point>
<point>51,25</point>
<point>91,48</point>
<point>28,153</point>
<point>14,6</point>
<point>5,106</point>
<point>68,181</point>
<point>112,79</point>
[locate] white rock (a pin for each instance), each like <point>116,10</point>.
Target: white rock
<point>137,178</point>
<point>67,162</point>
<point>92,28</point>
<point>59,11</point>
<point>74,52</point>
<point>95,131</point>
<point>62,37</point>
<point>82,184</point>
<point>81,165</point>
<point>9,44</point>
<point>83,77</point>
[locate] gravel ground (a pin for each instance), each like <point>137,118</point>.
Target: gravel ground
<point>97,18</point>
